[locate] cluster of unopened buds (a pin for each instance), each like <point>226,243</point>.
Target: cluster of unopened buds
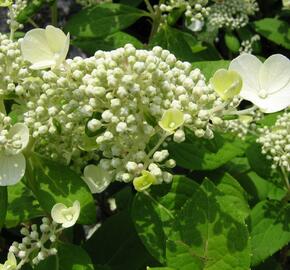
<point>232,14</point>
<point>247,45</point>
<point>195,11</point>
<point>40,242</point>
<point>275,142</point>
<point>14,9</point>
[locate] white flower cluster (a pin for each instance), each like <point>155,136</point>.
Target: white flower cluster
<point>245,123</point>
<point>232,14</point>
<point>195,10</point>
<point>247,45</point>
<point>275,142</point>
<point>117,98</point>
<point>88,3</point>
<point>38,243</point>
<point>35,245</point>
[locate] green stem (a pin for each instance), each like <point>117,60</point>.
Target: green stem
<point>154,149</point>
<point>156,16</point>
<point>286,181</point>
<point>54,13</point>
<point>2,106</point>
<point>285,177</point>
<point>149,7</point>
<point>33,23</point>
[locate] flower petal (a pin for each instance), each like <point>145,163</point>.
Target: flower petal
<point>275,102</point>
<point>275,73</point>
<point>64,52</point>
<point>11,259</point>
<point>21,130</point>
<point>43,64</point>
<point>56,213</point>
<point>96,178</point>
<point>248,67</point>
<point>171,120</point>
<point>34,46</point>
<point>227,83</point>
<point>12,169</point>
<point>56,38</point>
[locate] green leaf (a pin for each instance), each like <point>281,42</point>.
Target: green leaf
<point>69,257</point>
<point>236,202</point>
<point>153,215</point>
<point>133,3</point>
<point>118,239</point>
<point>258,162</point>
<point>270,229</point>
<point>32,7</point>
<point>159,268</point>
<point>102,20</point>
<point>232,42</point>
<point>149,226</point>
<point>274,30</point>
<point>202,154</point>
<point>175,41</point>
<point>181,191</point>
<point>55,183</point>
<point>269,119</point>
<point>208,68</point>
<point>206,236</point>
<point>3,205</point>
<point>264,189</point>
<point>22,205</point>
<point>111,42</point>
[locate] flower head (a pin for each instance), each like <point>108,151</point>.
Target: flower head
<point>145,181</point>
<point>267,85</point>
<point>10,264</point>
<point>66,216</point>
<point>171,120</point>
<point>96,178</point>
<point>45,48</point>
<point>226,83</point>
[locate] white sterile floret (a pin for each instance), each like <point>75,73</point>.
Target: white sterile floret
<point>66,216</point>
<point>12,161</point>
<point>97,178</point>
<point>45,48</point>
<point>10,264</point>
<point>267,85</point>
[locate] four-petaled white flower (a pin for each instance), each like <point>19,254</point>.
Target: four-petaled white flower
<point>45,48</point>
<point>97,178</point>
<point>66,216</point>
<point>12,161</point>
<point>267,85</point>
<point>10,264</point>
